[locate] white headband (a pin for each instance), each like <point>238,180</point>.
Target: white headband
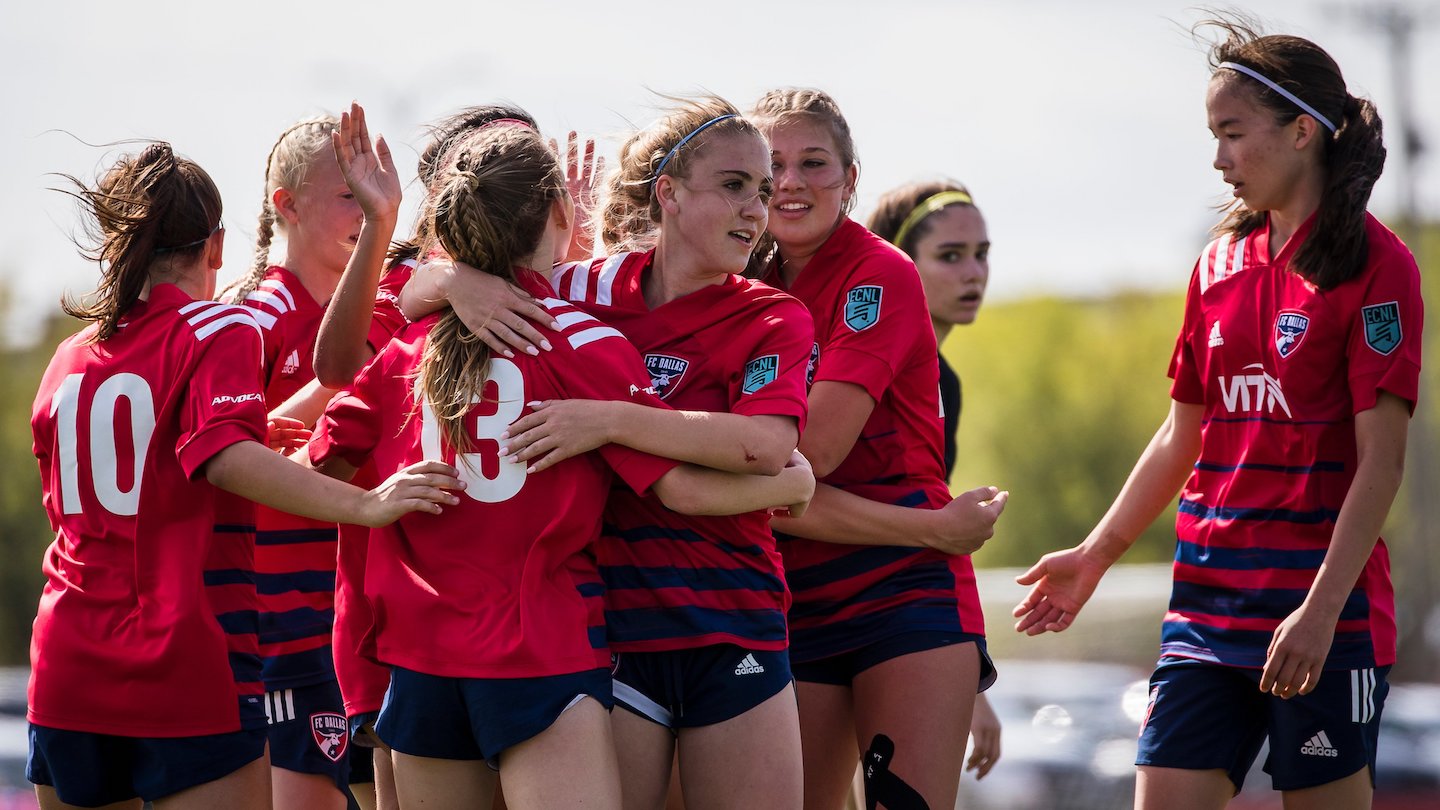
<point>1291,97</point>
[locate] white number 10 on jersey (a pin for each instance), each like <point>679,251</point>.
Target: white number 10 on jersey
<point>509,387</point>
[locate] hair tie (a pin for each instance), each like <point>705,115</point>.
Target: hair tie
<point>928,206</point>
<point>1291,97</point>
<point>674,150</point>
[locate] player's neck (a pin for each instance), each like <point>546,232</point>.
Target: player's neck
<point>674,273</point>
<point>318,280</point>
<point>1287,219</point>
<point>942,330</point>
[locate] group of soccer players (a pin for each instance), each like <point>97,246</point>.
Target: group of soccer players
<point>653,473</point>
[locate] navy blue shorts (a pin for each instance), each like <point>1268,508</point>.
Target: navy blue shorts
<point>91,770</point>
<point>478,718</point>
<point>309,732</point>
<point>700,686</point>
<point>840,670</point>
<point>1204,716</point>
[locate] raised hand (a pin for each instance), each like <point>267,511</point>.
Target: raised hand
<point>582,179</point>
<point>369,170</point>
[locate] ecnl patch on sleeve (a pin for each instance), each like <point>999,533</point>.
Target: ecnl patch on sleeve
<point>1382,326</point>
<point>760,372</point>
<point>862,307</point>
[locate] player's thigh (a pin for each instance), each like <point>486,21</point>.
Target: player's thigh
<point>1159,788</point>
<point>827,742</point>
<point>293,790</point>
<point>763,744</point>
<point>443,784</point>
<point>1354,792</point>
<point>644,754</point>
<point>921,702</point>
<point>242,789</point>
<point>579,744</point>
<point>385,798</point>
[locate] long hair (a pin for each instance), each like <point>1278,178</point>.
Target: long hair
<point>149,208</point>
<point>1336,248</point>
<point>490,211</point>
<point>445,135</point>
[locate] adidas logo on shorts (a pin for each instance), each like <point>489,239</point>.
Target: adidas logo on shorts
<point>1319,746</point>
<point>749,666</point>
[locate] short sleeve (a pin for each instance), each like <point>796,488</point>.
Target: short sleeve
<point>774,381</point>
<point>224,400</point>
<point>882,316</point>
<point>386,319</point>
<point>349,429</point>
<point>1384,344</point>
<point>608,367</point>
<point>1184,367</point>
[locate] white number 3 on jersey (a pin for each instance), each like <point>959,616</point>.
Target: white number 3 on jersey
<point>485,449</point>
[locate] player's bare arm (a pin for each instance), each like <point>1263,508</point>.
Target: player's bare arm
<point>1297,652</point>
<point>559,429</point>
<point>1064,580</point>
<point>500,314</point>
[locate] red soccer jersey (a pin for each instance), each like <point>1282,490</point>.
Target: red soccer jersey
<point>676,581</point>
<point>133,636</point>
<point>873,330</point>
<point>1281,368</point>
<point>294,556</point>
<point>362,680</point>
<point>505,580</point>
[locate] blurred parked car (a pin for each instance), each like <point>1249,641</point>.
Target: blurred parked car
<point>1069,737</point>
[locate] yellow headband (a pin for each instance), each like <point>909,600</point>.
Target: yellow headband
<point>929,206</point>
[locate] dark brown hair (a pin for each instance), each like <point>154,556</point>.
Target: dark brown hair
<point>631,215</point>
<point>896,205</point>
<point>1336,248</point>
<point>445,135</point>
<point>148,211</point>
<point>490,211</point>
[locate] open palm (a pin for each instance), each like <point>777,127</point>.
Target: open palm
<point>368,170</point>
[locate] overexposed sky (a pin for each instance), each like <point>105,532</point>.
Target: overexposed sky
<point>1079,126</point>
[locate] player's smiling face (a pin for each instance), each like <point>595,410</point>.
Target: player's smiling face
<point>953,257</point>
<point>811,184</point>
<point>327,218</point>
<point>719,208</point>
<point>1264,162</point>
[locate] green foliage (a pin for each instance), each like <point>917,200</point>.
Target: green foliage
<point>1060,398</point>
<point>24,530</point>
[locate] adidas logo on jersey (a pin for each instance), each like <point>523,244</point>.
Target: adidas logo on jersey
<point>292,363</point>
<point>749,666</point>
<point>1215,339</point>
<point>1319,746</point>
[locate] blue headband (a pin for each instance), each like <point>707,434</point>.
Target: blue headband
<point>1291,97</point>
<point>674,150</point>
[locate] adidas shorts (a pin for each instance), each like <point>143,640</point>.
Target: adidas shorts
<point>310,734</point>
<point>840,670</point>
<point>700,686</point>
<point>1204,715</point>
<point>478,718</point>
<point>92,770</point>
